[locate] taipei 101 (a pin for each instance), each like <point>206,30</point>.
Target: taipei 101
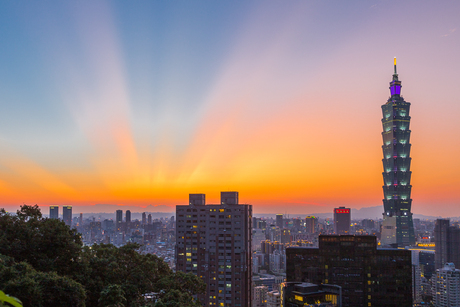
<point>229,153</point>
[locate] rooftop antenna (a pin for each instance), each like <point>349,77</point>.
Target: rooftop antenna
<point>395,66</point>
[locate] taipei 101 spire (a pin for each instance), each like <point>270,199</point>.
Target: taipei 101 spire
<point>397,227</point>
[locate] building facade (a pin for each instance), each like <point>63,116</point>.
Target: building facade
<point>368,276</point>
<point>260,296</point>
<point>447,243</point>
<point>446,292</point>
<point>118,219</point>
<point>214,242</point>
<point>54,212</point>
<point>311,222</point>
<point>128,216</point>
<point>342,220</point>
<point>67,215</point>
<point>274,299</point>
<point>300,294</point>
<point>279,221</point>
<point>397,227</point>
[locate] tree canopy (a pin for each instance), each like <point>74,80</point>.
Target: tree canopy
<point>44,263</point>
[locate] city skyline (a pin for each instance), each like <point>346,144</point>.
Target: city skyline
<point>113,103</point>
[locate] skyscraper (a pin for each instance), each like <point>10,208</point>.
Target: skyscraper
<point>279,221</point>
<point>67,215</point>
<point>214,242</point>
<point>310,224</point>
<point>397,227</point>
<point>118,219</point>
<point>342,219</point>
<point>54,212</point>
<point>447,243</point>
<point>144,218</point>
<point>128,216</point>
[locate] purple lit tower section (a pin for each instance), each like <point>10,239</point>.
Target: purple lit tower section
<point>397,227</point>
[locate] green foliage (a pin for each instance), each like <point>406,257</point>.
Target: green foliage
<point>43,263</point>
<point>177,298</point>
<point>46,244</point>
<point>186,283</point>
<point>106,264</point>
<point>112,296</point>
<point>6,300</point>
<point>177,289</point>
<point>35,288</point>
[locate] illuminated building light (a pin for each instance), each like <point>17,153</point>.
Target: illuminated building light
<point>426,244</point>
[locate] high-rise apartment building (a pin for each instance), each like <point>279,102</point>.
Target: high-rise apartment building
<point>274,299</point>
<point>67,215</point>
<point>260,296</point>
<point>214,242</point>
<point>447,243</point>
<point>368,276</point>
<point>342,219</point>
<point>446,292</point>
<point>118,219</point>
<point>441,239</point>
<point>144,218</point>
<point>397,226</point>
<point>54,212</point>
<point>128,216</point>
<point>311,223</point>
<point>279,221</point>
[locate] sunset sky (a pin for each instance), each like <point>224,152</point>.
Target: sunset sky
<point>141,103</point>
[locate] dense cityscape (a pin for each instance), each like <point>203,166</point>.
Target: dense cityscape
<point>275,241</point>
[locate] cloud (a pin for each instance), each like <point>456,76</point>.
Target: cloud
<point>451,31</point>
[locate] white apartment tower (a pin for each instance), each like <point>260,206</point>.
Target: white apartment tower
<point>273,299</point>
<point>447,286</point>
<point>260,296</point>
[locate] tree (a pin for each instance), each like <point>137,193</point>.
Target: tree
<point>112,296</point>
<point>47,244</point>
<point>178,289</point>
<point>105,264</point>
<point>177,298</point>
<point>35,288</point>
<point>43,263</point>
<point>185,283</point>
